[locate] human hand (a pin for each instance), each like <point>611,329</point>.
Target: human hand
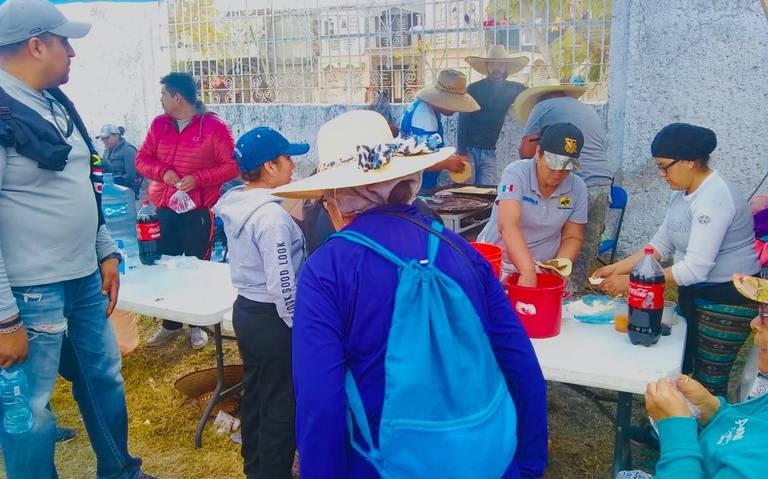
<point>170,177</point>
<point>663,400</point>
<point>187,184</point>
<point>605,271</point>
<point>527,280</point>
<point>698,395</point>
<point>110,282</point>
<point>615,284</point>
<point>14,348</point>
<point>455,163</point>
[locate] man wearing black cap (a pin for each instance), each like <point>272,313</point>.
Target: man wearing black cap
<point>58,264</point>
<point>541,208</point>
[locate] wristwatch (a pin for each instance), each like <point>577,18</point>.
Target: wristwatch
<point>114,255</point>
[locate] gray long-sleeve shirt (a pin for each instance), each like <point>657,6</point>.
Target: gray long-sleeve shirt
<point>48,219</point>
<point>709,234</point>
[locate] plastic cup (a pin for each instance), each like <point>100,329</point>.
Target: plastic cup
<point>621,322</point>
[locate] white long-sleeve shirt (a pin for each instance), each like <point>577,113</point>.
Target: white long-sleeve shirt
<point>709,234</point>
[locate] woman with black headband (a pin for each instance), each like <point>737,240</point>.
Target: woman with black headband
<point>708,235</point>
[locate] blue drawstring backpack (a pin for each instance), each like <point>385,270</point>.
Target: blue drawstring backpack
<point>447,411</point>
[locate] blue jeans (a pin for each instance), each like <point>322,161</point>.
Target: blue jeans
<point>69,334</point>
<point>484,169</point>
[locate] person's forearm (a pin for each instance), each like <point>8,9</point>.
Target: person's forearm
<point>626,265</point>
<point>517,250</point>
<point>570,247</point>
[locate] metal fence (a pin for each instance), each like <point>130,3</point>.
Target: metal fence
<point>353,51</point>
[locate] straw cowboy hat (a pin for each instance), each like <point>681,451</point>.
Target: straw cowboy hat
<point>337,149</point>
<point>199,386</point>
<point>449,92</point>
<point>526,100</point>
<point>497,53</point>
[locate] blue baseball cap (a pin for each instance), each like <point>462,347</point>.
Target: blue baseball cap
<point>264,144</point>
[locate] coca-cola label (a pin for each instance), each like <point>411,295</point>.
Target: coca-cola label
<point>646,296</point>
<point>148,231</point>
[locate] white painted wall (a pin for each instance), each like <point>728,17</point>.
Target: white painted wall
<point>116,73</point>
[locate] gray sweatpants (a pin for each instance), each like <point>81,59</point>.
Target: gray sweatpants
<point>598,199</point>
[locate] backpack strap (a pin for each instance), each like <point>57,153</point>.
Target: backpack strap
<point>356,415</point>
<point>364,240</point>
<point>436,231</point>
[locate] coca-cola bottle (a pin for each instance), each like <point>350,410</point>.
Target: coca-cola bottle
<point>646,300</point>
<point>148,234</point>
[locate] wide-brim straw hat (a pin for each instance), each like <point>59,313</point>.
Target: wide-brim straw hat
<point>497,53</point>
<point>337,141</point>
<point>751,287</point>
<point>199,385</point>
<point>449,92</point>
<point>528,98</point>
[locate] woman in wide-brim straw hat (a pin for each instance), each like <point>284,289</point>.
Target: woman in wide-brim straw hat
<point>346,298</point>
<point>535,93</point>
<point>423,117</point>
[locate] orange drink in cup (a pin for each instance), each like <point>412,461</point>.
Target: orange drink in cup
<point>621,321</point>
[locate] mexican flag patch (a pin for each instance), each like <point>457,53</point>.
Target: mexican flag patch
<point>507,188</point>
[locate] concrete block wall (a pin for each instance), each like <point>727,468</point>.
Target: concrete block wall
<point>697,61</point>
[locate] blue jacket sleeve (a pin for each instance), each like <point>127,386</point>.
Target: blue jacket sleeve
<point>518,362</point>
<point>318,378</point>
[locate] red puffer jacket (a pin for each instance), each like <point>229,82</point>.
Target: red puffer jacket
<point>203,149</point>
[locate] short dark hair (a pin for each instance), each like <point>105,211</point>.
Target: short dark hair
<point>252,175</point>
<point>182,84</point>
<point>7,51</point>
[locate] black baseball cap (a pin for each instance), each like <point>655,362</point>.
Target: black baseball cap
<point>561,144</point>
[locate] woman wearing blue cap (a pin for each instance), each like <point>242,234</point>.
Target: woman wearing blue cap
<point>707,233</point>
<point>266,251</point>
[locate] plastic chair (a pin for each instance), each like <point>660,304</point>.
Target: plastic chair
<point>618,202</point>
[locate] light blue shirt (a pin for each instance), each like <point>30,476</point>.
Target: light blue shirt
<point>541,219</point>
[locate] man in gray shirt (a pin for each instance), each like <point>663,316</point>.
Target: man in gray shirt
<point>550,103</point>
<point>58,264</point>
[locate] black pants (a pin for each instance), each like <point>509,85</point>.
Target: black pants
<point>719,293</point>
<point>268,408</point>
<point>189,234</point>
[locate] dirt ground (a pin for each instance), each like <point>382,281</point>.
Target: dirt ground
<point>162,422</point>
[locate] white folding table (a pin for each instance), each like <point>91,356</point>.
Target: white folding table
<point>595,355</point>
<point>189,291</point>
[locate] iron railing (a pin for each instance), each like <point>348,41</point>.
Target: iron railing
<point>352,51</point>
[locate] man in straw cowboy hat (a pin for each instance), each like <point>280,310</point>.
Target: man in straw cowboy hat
<point>344,321</point>
<point>479,130</point>
<point>423,118</point>
<point>552,102</point>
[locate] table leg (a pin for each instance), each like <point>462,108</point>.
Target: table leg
<point>622,453</point>
<point>216,396</point>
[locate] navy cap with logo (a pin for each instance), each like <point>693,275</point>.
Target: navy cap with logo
<point>23,19</point>
<point>561,144</point>
<point>264,144</point>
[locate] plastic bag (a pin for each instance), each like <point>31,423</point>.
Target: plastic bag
<point>180,202</point>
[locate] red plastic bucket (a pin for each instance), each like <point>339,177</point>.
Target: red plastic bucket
<point>539,308</point>
<point>492,253</point>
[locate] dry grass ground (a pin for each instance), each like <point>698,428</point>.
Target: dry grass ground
<point>162,423</point>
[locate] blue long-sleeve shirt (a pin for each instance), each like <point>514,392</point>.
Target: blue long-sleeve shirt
<point>733,445</point>
<point>345,300</point>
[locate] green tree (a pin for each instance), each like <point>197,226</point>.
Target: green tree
<point>573,35</point>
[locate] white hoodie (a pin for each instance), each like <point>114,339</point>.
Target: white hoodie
<point>266,247</point>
